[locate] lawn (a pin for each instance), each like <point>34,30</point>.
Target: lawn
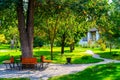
<point>110,71</point>
<point>14,79</point>
<point>115,54</point>
<point>78,55</point>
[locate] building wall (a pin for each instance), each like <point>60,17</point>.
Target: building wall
<point>92,35</point>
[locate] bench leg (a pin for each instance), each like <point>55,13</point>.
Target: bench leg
<point>40,66</point>
<point>6,66</point>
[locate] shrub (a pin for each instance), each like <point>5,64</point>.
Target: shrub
<point>102,44</point>
<point>38,42</point>
<point>103,47</point>
<point>2,38</point>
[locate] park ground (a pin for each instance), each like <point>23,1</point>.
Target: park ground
<point>81,61</point>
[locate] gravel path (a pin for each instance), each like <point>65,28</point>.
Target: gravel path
<point>52,70</point>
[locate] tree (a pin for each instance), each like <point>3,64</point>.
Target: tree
<point>108,23</point>
<point>49,17</point>
<point>25,27</point>
<point>25,24</point>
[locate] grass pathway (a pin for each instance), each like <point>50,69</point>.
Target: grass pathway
<point>52,70</point>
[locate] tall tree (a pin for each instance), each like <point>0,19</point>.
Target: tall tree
<point>25,24</point>
<point>108,22</point>
<point>49,18</point>
<point>25,27</point>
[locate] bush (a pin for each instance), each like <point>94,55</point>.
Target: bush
<point>103,47</point>
<point>38,42</point>
<point>102,44</point>
<point>2,38</point>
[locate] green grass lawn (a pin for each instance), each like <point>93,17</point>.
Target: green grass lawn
<point>78,55</point>
<point>109,71</point>
<point>115,54</point>
<point>14,79</point>
<point>100,72</point>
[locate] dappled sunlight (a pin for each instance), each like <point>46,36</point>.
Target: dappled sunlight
<point>79,59</point>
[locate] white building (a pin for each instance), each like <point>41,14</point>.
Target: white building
<point>92,35</point>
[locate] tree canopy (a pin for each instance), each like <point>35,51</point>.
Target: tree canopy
<point>60,21</point>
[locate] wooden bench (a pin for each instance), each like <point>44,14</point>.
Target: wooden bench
<point>43,60</point>
<point>29,63</point>
<point>9,63</point>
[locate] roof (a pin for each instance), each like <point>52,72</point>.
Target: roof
<point>93,29</point>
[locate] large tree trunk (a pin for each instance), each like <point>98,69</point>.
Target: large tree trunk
<point>26,29</point>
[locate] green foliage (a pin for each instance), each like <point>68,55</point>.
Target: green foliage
<point>2,38</point>
<point>38,42</point>
<point>71,18</point>
<point>108,22</point>
<point>102,44</point>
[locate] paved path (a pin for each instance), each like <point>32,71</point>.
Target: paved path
<point>52,70</point>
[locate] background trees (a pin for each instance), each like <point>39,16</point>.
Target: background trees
<point>25,24</point>
<point>108,24</point>
<point>59,22</point>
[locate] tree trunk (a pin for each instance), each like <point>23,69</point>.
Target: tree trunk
<point>72,47</point>
<point>26,29</point>
<point>62,44</point>
<point>51,51</point>
<point>30,25</point>
<point>110,47</point>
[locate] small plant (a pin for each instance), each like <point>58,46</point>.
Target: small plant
<point>103,46</point>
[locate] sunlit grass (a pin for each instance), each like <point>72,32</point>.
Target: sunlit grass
<point>77,56</point>
<point>110,71</point>
<point>14,79</point>
<point>115,54</point>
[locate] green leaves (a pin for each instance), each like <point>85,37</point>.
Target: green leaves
<point>4,4</point>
